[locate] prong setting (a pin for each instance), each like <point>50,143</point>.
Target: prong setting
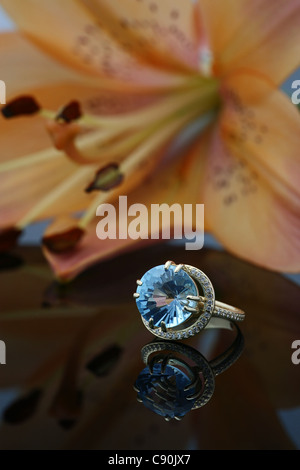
<point>196,298</point>
<point>168,264</point>
<point>191,309</point>
<point>178,268</point>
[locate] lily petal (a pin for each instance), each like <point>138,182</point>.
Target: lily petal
<point>244,208</point>
<point>73,34</point>
<point>24,67</point>
<point>27,139</point>
<point>260,34</point>
<point>167,34</point>
<point>260,125</point>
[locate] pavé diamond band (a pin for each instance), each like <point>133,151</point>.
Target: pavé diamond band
<point>178,301</point>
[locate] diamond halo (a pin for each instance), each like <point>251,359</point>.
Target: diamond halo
<point>175,296</point>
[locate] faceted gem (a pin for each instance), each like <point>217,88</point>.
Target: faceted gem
<point>162,296</point>
<point>164,392</point>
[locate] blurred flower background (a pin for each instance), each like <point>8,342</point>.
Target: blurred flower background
<point>73,349</point>
<point>164,103</point>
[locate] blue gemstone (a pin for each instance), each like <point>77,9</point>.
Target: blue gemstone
<point>162,296</point>
<point>164,392</point>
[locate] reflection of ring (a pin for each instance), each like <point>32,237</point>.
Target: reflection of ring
<point>171,305</point>
<point>172,385</point>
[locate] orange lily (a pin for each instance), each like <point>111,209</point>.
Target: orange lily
<point>144,73</point>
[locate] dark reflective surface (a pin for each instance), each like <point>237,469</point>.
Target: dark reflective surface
<point>178,379</point>
<point>74,353</point>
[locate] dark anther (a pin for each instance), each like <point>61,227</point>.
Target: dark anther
<point>105,361</point>
<point>64,241</point>
<point>23,408</point>
<point>21,106</point>
<point>70,112</point>
<point>8,238</point>
<point>106,178</point>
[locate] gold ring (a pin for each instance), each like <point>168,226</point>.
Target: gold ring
<point>178,300</point>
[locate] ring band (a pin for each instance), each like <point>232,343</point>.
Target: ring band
<point>178,301</point>
<point>178,378</point>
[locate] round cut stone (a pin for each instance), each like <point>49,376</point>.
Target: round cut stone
<point>162,296</point>
<point>164,392</point>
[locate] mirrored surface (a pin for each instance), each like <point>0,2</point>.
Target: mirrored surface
<point>74,353</point>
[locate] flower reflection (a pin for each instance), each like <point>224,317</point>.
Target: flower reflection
<point>67,404</point>
<point>128,80</point>
<point>178,378</point>
<point>72,364</point>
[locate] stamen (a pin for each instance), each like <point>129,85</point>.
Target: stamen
<point>132,162</point>
<point>88,143</point>
<point>106,178</point>
<point>116,150</point>
<point>89,148</point>
<point>145,116</point>
<point>141,117</point>
<point>63,136</point>
<point>153,128</point>
<point>70,112</point>
<point>74,180</point>
<point>21,106</point>
<point>64,241</point>
<point>31,159</point>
